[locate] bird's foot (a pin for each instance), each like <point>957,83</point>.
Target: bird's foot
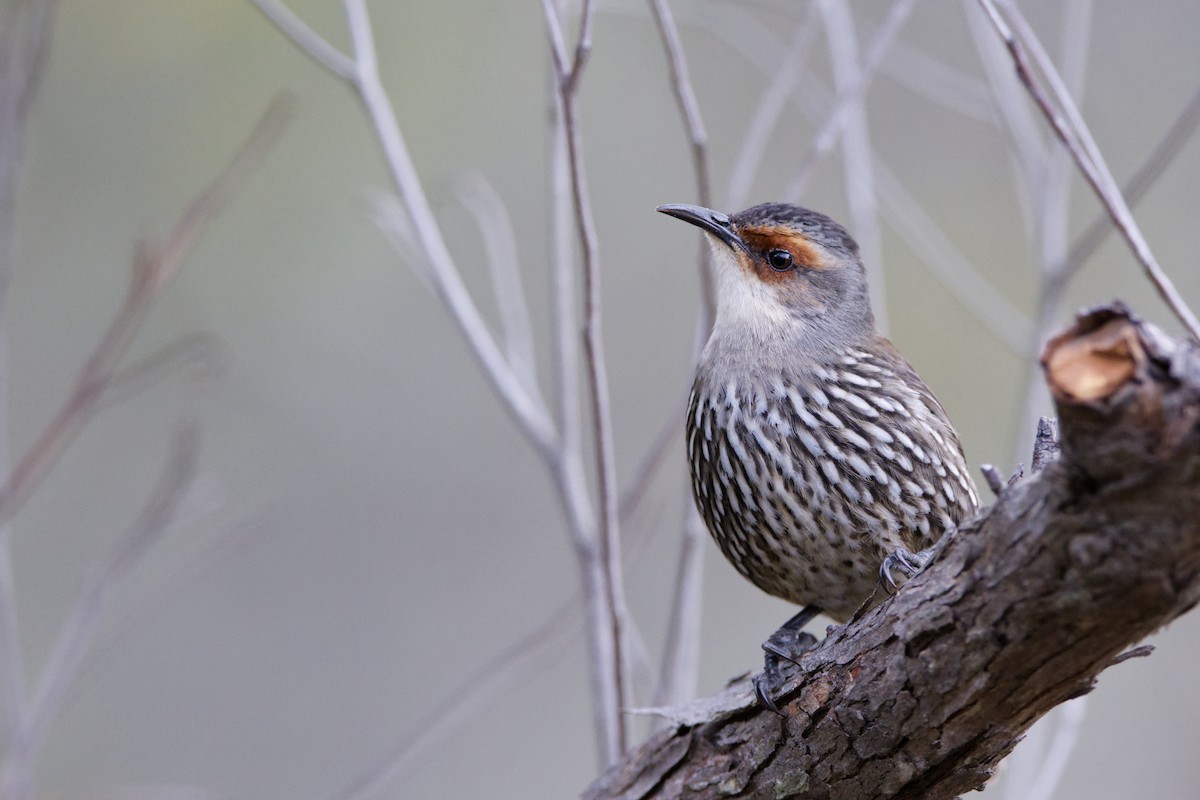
<point>785,645</point>
<point>902,561</point>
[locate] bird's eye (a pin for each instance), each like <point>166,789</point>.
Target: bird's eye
<point>780,260</point>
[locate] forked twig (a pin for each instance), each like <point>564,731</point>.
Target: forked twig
<point>416,232</point>
<point>605,564</point>
<point>1072,132</point>
<point>153,271</point>
<point>67,656</point>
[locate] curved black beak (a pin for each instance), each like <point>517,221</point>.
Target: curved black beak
<point>714,222</point>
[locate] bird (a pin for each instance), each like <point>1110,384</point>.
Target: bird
<point>819,460</point>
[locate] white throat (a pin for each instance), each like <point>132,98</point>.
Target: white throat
<point>747,308</point>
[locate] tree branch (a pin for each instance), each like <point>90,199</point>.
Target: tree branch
<point>153,271</point>
<point>1073,133</point>
<point>602,561</point>
<point>923,695</point>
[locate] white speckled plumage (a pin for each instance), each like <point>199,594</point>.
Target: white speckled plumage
<point>815,449</point>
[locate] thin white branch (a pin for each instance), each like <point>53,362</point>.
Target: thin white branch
<point>771,102</point>
<point>479,198</point>
<point>523,402</point>
<point>940,83</point>
<point>568,465</point>
<point>306,38</point>
<point>1028,145</point>
<point>1050,227</point>
<point>680,672</point>
<point>388,214</point>
<point>1067,729</point>
<point>952,269</point>
<point>1074,134</point>
<point>685,96</point>
<point>601,565</point>
<point>856,143</point>
<point>1008,323</point>
<point>598,553</point>
<point>831,130</point>
<point>680,666</point>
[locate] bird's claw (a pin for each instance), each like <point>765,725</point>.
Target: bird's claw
<point>785,644</point>
<point>765,685</point>
<point>903,561</point>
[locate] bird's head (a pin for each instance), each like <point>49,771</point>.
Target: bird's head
<point>784,273</point>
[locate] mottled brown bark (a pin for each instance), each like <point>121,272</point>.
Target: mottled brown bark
<point>923,695</point>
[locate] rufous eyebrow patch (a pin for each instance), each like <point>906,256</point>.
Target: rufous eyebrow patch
<point>763,238</point>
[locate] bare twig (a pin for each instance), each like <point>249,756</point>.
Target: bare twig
<point>463,703</point>
<point>25,35</point>
<point>846,98</point>
<point>75,638</point>
<point>680,665</point>
<point>681,654</point>
<point>771,102</point>
<point>685,96</point>
<point>856,144</point>
<point>25,29</point>
<point>1141,651</point>
<point>1025,138</point>
<point>153,271</point>
<point>307,39</point>
<point>1161,156</point>
<point>201,353</point>
<point>481,200</point>
<point>522,401</point>
<point>940,83</point>
<point>1073,133</point>
<point>605,564</point>
<point>417,234</point>
<point>1049,225</point>
<point>761,48</point>
<point>1046,446</point>
<point>994,478</point>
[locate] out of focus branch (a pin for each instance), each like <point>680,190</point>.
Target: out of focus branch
<point>25,35</point>
<point>153,270</point>
<point>1069,127</point>
<point>412,226</point>
<point>66,659</point>
<point>680,667</point>
<point>1150,170</point>
<point>689,108</point>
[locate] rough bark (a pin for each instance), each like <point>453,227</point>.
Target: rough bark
<point>923,695</point>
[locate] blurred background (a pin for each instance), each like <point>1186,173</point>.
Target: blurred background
<point>368,528</point>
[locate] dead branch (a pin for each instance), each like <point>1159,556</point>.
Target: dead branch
<point>1020,611</point>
